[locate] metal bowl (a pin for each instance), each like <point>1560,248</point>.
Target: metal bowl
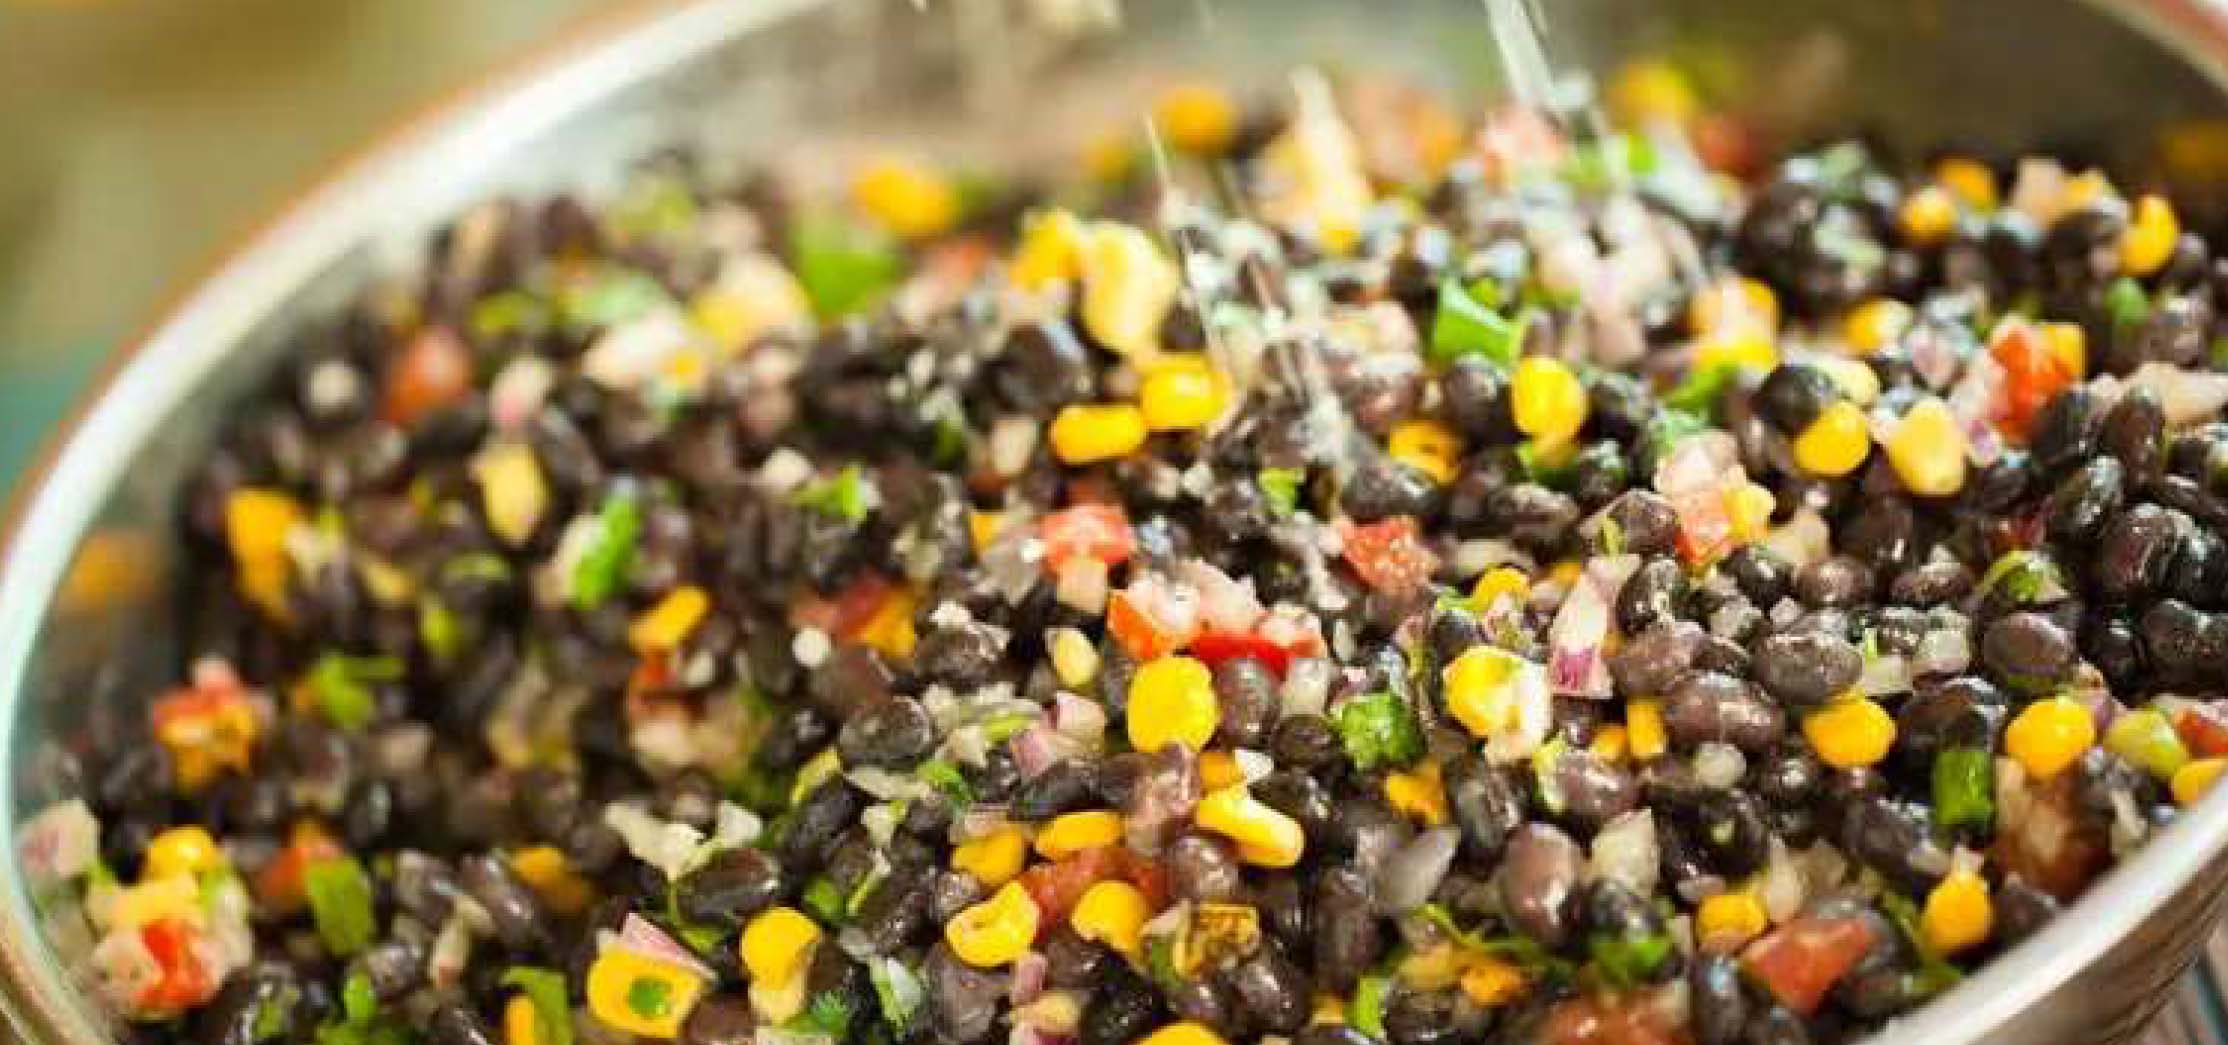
<point>88,626</point>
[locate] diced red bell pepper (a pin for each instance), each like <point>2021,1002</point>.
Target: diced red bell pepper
<point>1802,960</point>
<point>184,982</point>
<point>279,887</point>
<point>2034,373</point>
<point>845,613</point>
<point>1139,635</point>
<point>1091,531</point>
<point>1057,886</point>
<point>1705,527</point>
<point>2204,728</point>
<point>1216,647</point>
<point>1610,1020</point>
<point>1389,554</point>
<point>431,372</point>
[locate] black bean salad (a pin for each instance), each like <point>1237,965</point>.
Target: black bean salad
<point>1372,576</point>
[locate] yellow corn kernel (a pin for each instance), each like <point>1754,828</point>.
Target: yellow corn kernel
<point>1051,250</point>
<point>1219,769</point>
<point>1501,582</point>
<point>1478,690</point>
<point>1419,794</point>
<point>663,626</point>
<point>1834,444</point>
<point>521,1022</point>
<point>996,931</point>
<point>1739,349</point>
<point>154,899</point>
<point>1326,1009</point>
<point>1172,700</point>
<point>2149,241</point>
<point>1426,446</point>
<point>890,630</point>
<point>1856,379</point>
<point>2070,344</point>
<point>1564,572</point>
<point>1850,733</point>
<point>1184,1033</point>
<point>1547,399</point>
<point>187,850</point>
<point>1075,662</point>
<point>906,197</point>
<point>1611,743</point>
<point>1089,434</point>
<point>1492,983</point>
<point>1969,180</point>
<point>1071,833</point>
<point>1128,288</point>
<point>1644,728</point>
<point>995,858</point>
<point>1927,450</point>
<point>1748,508</point>
<point>1181,393</point>
<point>1728,920</point>
<point>636,994</point>
<point>1734,305</point>
<point>1196,117</point>
<point>545,870</point>
<point>1958,914</point>
<point>983,527</point>
<point>1928,216</point>
<point>2083,190</point>
<point>753,295</point>
<point>1875,325</point>
<point>1265,837</point>
<point>2194,778</point>
<point>512,491</point>
<point>2049,735</point>
<point>1653,91</point>
<point>776,945</point>
<point>255,526</point>
<point>1113,912</point>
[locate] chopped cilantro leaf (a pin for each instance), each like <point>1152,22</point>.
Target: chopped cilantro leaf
<point>340,903</point>
<point>1466,326</point>
<point>842,267</point>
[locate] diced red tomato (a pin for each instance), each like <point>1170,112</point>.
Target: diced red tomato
<point>1145,873</point>
<point>1705,527</point>
<point>2034,373</point>
<point>1056,887</point>
<point>1089,531</point>
<point>1726,144</point>
<point>1148,619</point>
<point>2204,728</point>
<point>1215,647</point>
<point>434,370</point>
<point>1610,1020</point>
<point>1802,960</point>
<point>185,982</point>
<point>1389,555</point>
<point>847,612</point>
<point>279,886</point>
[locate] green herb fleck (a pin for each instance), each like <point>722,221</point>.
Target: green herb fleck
<point>544,989</point>
<point>1366,1013</point>
<point>1160,961</point>
<point>274,1016</point>
<point>1002,727</point>
<point>650,997</point>
<point>1962,786</point>
<point>602,570</point>
<point>1466,326</point>
<point>829,1013</point>
<point>610,296</point>
<point>899,990</point>
<point>439,630</point>
<point>824,900</point>
<point>844,495</point>
<point>1625,962</point>
<point>1700,392</point>
<point>1379,729</point>
<point>1933,975</point>
<point>947,780</point>
<point>341,685</point>
<point>843,268</point>
<point>2127,304</point>
<point>340,903</point>
<point>1281,487</point>
<point>358,1002</point>
<point>2025,576</point>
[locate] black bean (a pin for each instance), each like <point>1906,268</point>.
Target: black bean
<point>731,886</point>
<point>257,1003</point>
<point>893,734</point>
<point>1203,869</point>
<point>1246,697</point>
<point>2079,505</point>
<point>1788,777</point>
<point>453,1023</point>
<point>2027,650</point>
<point>1063,787</point>
<point>1477,403</point>
<point>1718,1007</point>
<point>895,914</point>
<point>815,825</point>
<point>1415,1017</point>
<point>1649,665</point>
<point>963,655</point>
<point>1650,595</point>
<point>1486,802</point>
<point>1348,936</point>
<point>1332,1034</point>
<point>1532,515</point>
<point>1762,574</point>
<point>1838,580</point>
<point>511,906</point>
<point>2067,430</point>
<point>2137,550</point>
<point>1805,669</point>
<point>1072,962</point>
<point>1044,367</point>
<point>1793,395</point>
<point>963,1001</point>
<point>1382,487</point>
<point>1732,829</point>
<point>1931,584</point>
<point>1777,1025</point>
<point>1204,1000</point>
<point>1273,989</point>
<point>1883,533</point>
<point>1539,883</point>
<point>1706,706</point>
<point>2135,433</point>
<point>1895,840</point>
<point>1306,742</point>
<point>2021,910</point>
<point>1594,792</point>
<point>720,1020</point>
<point>1646,522</point>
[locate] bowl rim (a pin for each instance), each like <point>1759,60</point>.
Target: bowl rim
<point>150,372</point>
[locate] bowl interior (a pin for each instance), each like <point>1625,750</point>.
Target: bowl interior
<point>90,619</point>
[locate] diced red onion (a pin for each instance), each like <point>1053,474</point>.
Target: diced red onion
<point>1028,977</point>
<point>1079,719</point>
<point>1225,605</point>
<point>638,935</point>
<point>60,843</point>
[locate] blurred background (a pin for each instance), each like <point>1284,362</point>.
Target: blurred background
<point>141,138</point>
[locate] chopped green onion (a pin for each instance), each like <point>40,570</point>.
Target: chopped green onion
<point>1625,962</point>
<point>340,903</point>
<point>1367,1011</point>
<point>845,495</point>
<point>358,1002</point>
<point>1700,392</point>
<point>843,268</point>
<point>1002,727</point>
<point>1466,326</point>
<point>824,900</point>
<point>341,685</point>
<point>602,570</point>
<point>2025,576</point>
<point>610,296</point>
<point>274,1016</point>
<point>1963,782</point>
<point>545,990</point>
<point>2127,304</point>
<point>1281,487</point>
<point>946,779</point>
<point>1379,729</point>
